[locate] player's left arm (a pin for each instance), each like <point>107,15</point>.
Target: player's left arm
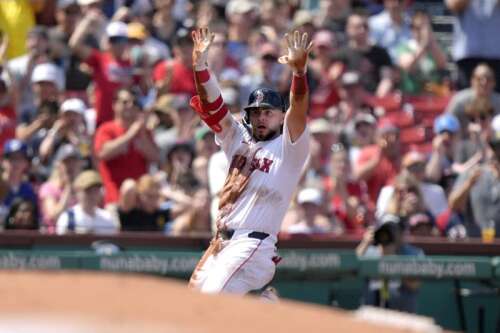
<point>298,52</point>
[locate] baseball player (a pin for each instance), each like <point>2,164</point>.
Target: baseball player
<point>267,153</point>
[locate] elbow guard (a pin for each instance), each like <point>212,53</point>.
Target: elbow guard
<point>211,119</point>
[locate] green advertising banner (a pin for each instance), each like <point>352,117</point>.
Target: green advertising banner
<point>435,267</point>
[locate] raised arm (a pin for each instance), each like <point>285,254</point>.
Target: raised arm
<point>298,51</point>
<point>208,103</point>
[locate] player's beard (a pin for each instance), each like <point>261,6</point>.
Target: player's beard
<point>266,137</point>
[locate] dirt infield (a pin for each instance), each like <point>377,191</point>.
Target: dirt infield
<point>77,302</point>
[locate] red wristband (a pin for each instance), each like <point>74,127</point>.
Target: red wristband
<point>202,76</point>
<point>299,85</point>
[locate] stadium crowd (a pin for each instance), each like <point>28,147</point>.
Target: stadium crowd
<point>97,135</point>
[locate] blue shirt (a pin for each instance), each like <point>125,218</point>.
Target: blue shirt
<point>385,33</point>
<point>475,31</point>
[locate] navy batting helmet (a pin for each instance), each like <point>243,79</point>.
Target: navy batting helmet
<point>265,98</point>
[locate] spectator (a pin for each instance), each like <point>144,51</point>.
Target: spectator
<point>312,218</point>
<point>475,148</point>
<point>57,193</point>
<point>379,164</point>
<point>154,49</point>
<point>111,69</point>
<point>86,216</point>
<point>224,65</point>
<point>178,161</point>
<point>372,62</point>
<point>475,18</point>
<point>21,68</point>
<point>349,202</point>
<point>164,24</point>
<point>175,76</point>
<point>276,15</point>
<point>267,72</point>
<point>440,168</point>
<point>23,215</point>
<point>48,84</point>
<point>332,15</point>
<point>391,27</point>
<point>388,239</point>
<point>432,196</point>
<point>205,147</point>
<point>479,187</point>
<point>241,15</point>
<point>124,141</point>
<point>68,14</point>
<point>420,58</point>
<point>140,207</point>
<point>482,85</point>
<point>193,216</point>
<point>8,117</point>
<point>70,128</point>
<point>352,102</point>
<point>15,167</point>
<point>362,135</point>
<point>324,94</point>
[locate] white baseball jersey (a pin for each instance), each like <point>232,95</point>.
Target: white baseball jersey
<point>277,165</point>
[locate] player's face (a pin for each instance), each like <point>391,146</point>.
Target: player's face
<point>266,123</point>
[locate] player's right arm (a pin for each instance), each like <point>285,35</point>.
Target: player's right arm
<point>208,103</point>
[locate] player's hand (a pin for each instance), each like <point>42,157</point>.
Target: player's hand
<point>202,39</point>
<point>298,52</point>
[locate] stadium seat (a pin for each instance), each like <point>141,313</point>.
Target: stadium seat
<point>390,103</point>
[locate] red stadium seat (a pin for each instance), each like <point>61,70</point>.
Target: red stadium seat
<point>413,135</point>
<point>434,105</point>
<point>390,103</point>
<point>402,119</point>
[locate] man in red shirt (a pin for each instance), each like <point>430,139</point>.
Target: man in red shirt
<point>111,69</point>
<point>378,164</point>
<point>123,146</point>
<point>175,76</point>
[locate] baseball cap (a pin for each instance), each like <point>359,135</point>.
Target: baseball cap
<point>87,179</point>
<point>201,132</point>
<point>320,125</point>
<point>240,7</point>
<point>66,151</point>
<point>117,29</point>
<point>364,118</point>
<point>136,30</point>
<point>73,105</point>
<point>323,38</point>
<point>87,2</point>
<point>310,195</point>
<point>385,232</point>
<point>265,98</point>
<point>446,122</point>
<point>230,95</point>
<point>411,158</point>
<point>14,146</point>
<point>302,17</point>
<point>48,72</point>
<point>165,104</point>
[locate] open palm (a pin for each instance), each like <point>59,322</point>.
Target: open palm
<point>298,51</point>
<point>202,39</point>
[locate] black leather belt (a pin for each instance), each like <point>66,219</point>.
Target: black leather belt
<point>254,234</point>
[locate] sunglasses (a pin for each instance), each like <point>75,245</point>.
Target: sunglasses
<point>269,57</point>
